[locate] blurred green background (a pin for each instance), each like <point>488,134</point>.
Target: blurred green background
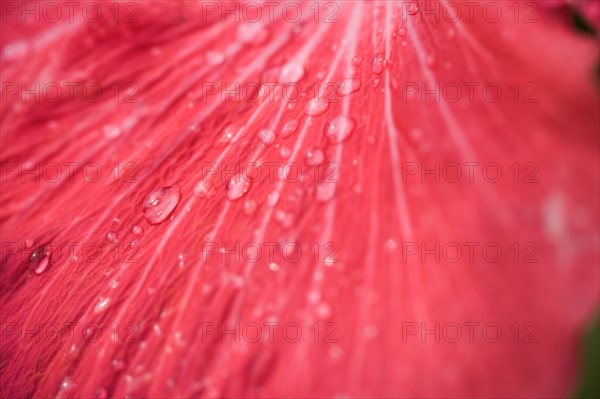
<point>590,384</point>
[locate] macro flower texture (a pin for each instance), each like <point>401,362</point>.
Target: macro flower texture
<point>298,199</point>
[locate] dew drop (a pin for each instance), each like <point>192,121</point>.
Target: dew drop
<point>111,131</point>
<point>314,157</point>
<point>285,152</point>
<point>291,73</point>
<point>112,236</point>
<point>349,86</point>
<point>67,383</point>
<point>237,187</point>
<point>28,243</point>
<point>39,260</point>
<point>226,136</point>
<point>402,31</point>
<point>273,198</point>
<point>314,296</point>
<point>274,266</point>
<point>324,192</point>
<point>215,57</point>
<point>412,8</point>
<point>249,207</point>
<point>323,310</point>
<point>289,128</point>
<point>377,64</point>
<point>339,129</point>
<point>137,230</point>
<point>102,304</point>
<point>316,107</point>
<point>357,61</point>
<point>160,203</point>
<point>201,190</point>
<point>267,136</point>
<point>252,33</point>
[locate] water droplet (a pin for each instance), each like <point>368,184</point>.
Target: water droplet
<point>377,64</point>
<point>391,245</point>
<point>111,131</point>
<point>102,304</point>
<point>402,31</point>
<point>160,203</point>
<point>267,136</point>
<point>249,207</point>
<point>316,107</point>
<point>324,192</point>
<point>291,73</point>
<point>274,266</point>
<point>289,128</point>
<point>252,33</point>
<point>28,243</point>
<point>339,129</point>
<point>323,310</point>
<point>357,61</point>
<point>39,260</point>
<point>137,230</point>
<point>349,86</point>
<point>272,198</point>
<point>118,364</point>
<point>412,8</point>
<point>314,296</point>
<point>201,190</point>
<point>112,236</point>
<point>67,383</point>
<point>228,133</point>
<point>322,74</point>
<point>285,152</point>
<point>314,157</point>
<point>215,57</point>
<point>237,187</point>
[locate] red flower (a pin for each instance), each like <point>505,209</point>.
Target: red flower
<point>296,199</point>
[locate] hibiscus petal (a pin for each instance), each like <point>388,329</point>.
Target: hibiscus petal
<point>173,228</point>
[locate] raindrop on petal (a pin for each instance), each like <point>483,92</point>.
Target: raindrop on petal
<point>39,260</point>
<point>289,128</point>
<point>267,136</point>
<point>349,86</point>
<point>378,63</point>
<point>316,107</point>
<point>314,157</point>
<point>339,129</point>
<point>249,207</point>
<point>325,192</point>
<point>159,204</point>
<point>237,187</point>
<point>291,73</point>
